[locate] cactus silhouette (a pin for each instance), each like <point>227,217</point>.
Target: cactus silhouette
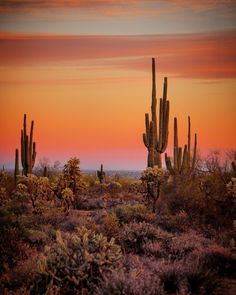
<point>16,171</point>
<point>45,171</point>
<point>101,174</point>
<point>28,149</point>
<point>156,144</point>
<point>182,161</point>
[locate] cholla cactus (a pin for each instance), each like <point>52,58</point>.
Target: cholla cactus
<point>231,187</point>
<point>71,173</point>
<point>81,261</point>
<point>37,189</point>
<point>68,198</point>
<point>153,179</point>
<point>21,193</point>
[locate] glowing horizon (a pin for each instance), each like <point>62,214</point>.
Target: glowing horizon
<point>88,88</point>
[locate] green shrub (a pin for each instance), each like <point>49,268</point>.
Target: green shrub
<point>128,213</point>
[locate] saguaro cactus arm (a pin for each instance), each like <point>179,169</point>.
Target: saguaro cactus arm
<point>189,141</point>
<point>154,101</point>
<point>164,109</point>
<point>194,152</point>
<point>16,171</point>
<point>147,134</point>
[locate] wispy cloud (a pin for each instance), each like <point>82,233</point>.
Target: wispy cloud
<point>115,6</point>
<point>210,55</point>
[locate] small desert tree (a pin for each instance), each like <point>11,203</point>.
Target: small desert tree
<point>153,179</point>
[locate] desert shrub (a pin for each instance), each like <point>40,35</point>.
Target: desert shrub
<point>21,194</point>
<point>176,247</point>
<point>231,187</point>
<point>3,178</point>
<point>98,188</point>
<point>159,248</point>
<point>37,238</point>
<point>128,213</point>
<point>171,276</point>
<point>153,249</point>
<point>136,282</point>
<point>12,246</point>
<point>91,224</point>
<point>128,184</point>
<point>216,258</point>
<point>89,180</point>
<point>137,276</point>
<point>78,262</point>
<point>184,277</point>
<point>88,203</point>
<point>135,187</point>
<point>6,182</point>
<point>53,217</point>
<point>3,196</point>
<point>19,278</point>
<point>173,223</point>
<point>111,224</point>
<point>114,187</point>
<point>198,279</point>
<point>181,246</point>
<point>134,235</point>
<point>204,198</point>
<point>70,223</point>
<point>188,195</point>
<point>153,179</point>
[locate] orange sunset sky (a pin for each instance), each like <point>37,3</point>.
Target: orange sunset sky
<point>82,71</point>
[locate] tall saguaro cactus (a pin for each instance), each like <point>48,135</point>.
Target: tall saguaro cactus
<point>101,174</point>
<point>28,148</point>
<point>156,139</point>
<point>182,161</point>
<point>16,171</point>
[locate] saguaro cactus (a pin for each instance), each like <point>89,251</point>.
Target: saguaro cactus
<point>16,171</point>
<point>182,161</point>
<point>28,149</point>
<point>45,171</point>
<point>101,174</point>
<point>157,143</point>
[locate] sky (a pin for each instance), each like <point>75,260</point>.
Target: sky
<point>82,71</point>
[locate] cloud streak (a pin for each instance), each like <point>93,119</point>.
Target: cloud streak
<point>211,55</point>
<point>115,6</point>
